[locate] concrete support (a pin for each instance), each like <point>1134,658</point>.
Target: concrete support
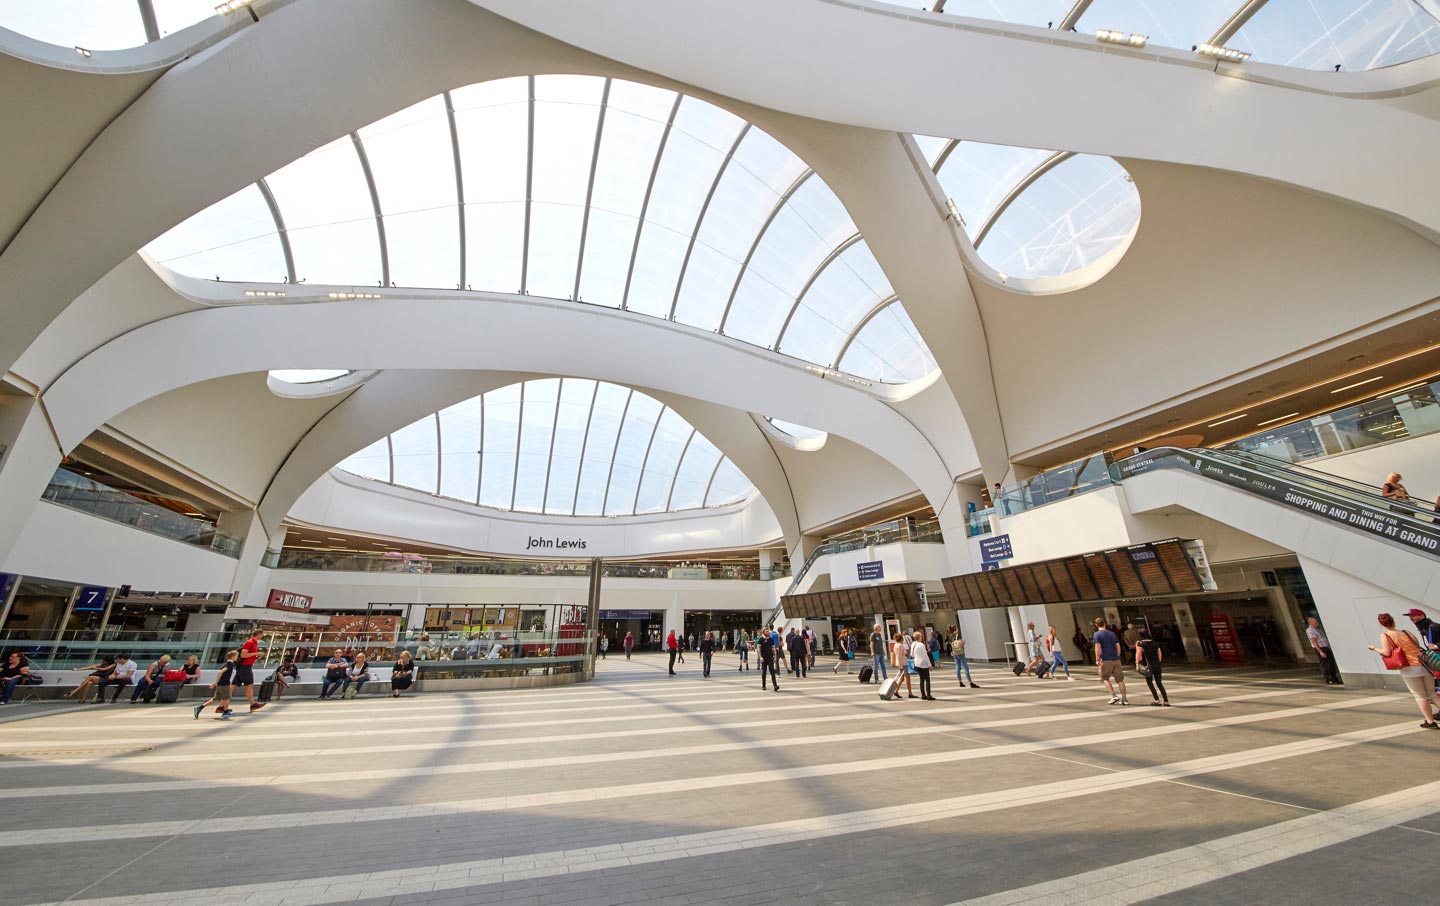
<point>26,466</point>
<point>1348,608</point>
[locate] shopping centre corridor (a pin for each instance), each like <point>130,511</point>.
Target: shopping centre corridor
<point>643,788</point>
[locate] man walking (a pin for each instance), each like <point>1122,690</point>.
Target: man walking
<point>672,645</point>
<point>957,651</point>
<point>629,644</point>
<point>1322,651</point>
<point>877,654</point>
<point>798,659</point>
<point>707,651</point>
<point>766,644</point>
<point>1107,655</point>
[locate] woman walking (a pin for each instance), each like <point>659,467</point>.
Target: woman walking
<point>1402,653</point>
<point>1057,656</point>
<point>1148,658</point>
<point>743,647</point>
<point>846,646</point>
<point>900,660</point>
<point>920,657</point>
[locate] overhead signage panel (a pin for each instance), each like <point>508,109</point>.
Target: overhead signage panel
<point>996,547</point>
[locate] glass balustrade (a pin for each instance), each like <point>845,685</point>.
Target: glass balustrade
<point>1060,483</point>
<point>85,495</point>
<point>395,562</point>
<point>1411,413</point>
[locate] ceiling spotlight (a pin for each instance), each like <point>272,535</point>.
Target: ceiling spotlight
<point>1110,36</point>
<point>267,293</point>
<point>82,51</point>
<point>354,295</point>
<point>1222,53</point>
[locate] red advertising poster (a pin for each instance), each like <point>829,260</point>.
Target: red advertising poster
<point>1227,646</point>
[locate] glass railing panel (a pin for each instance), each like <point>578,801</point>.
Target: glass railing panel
<point>85,495</point>
<point>1060,483</point>
<point>346,561</point>
<point>1412,413</point>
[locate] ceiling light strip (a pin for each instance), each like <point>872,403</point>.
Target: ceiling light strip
<point>645,203</point>
<point>869,316</point>
<point>700,218</point>
<point>529,189</point>
<point>1378,377</point>
<point>590,188</point>
<point>624,413</point>
<point>1226,421</point>
<point>584,445</point>
<point>1276,419</point>
<point>805,290</point>
<point>459,183</point>
<point>764,228</point>
<point>280,231</point>
<point>1045,166</point>
<point>670,497</point>
<point>375,202</point>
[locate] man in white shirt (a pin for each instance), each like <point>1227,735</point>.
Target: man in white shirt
<point>122,676</point>
<point>1322,651</point>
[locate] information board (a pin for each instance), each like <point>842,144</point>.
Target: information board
<point>894,597</point>
<point>91,598</point>
<point>996,547</point>
<point>1154,568</point>
<point>1227,644</point>
<point>874,569</point>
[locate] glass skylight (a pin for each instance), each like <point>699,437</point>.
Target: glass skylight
<point>1034,213</point>
<point>98,24</point>
<point>559,446</point>
<point>795,430</point>
<point>628,197</point>
<point>1309,34</point>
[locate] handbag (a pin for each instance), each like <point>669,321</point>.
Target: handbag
<point>1396,659</point>
<point>909,665</point>
<point>1143,668</point>
<point>1430,660</point>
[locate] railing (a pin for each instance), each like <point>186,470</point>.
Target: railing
<point>73,649</point>
<point>1400,415</point>
<point>346,561</point>
<point>85,495</point>
<point>1060,483</point>
<point>977,522</point>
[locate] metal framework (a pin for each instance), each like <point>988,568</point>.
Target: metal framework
<point>700,218</point>
<point>375,201</point>
<point>279,230</point>
<point>860,326</point>
<point>526,401</point>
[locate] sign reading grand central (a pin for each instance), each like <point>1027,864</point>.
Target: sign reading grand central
<point>572,544</point>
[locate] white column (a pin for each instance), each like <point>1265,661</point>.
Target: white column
<point>30,458</point>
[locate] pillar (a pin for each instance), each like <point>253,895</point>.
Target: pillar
<point>27,463</point>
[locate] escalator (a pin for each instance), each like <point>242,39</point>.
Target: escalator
<point>1329,498</point>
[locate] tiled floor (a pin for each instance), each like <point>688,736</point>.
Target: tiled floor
<point>1259,786</point>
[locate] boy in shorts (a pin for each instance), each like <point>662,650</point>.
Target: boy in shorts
<point>220,696</point>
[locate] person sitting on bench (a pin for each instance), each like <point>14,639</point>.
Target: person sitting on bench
<point>102,671</point>
<point>150,682</point>
<point>16,672</point>
<point>358,675</point>
<point>122,676</point>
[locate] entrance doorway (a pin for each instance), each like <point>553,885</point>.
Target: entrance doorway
<point>724,623</point>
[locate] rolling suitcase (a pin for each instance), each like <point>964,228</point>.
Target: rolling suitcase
<point>889,688</point>
<point>1019,668</point>
<point>1041,669</point>
<point>866,673</point>
<point>267,689</point>
<point>169,693</point>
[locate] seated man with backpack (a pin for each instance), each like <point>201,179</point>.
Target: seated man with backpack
<point>149,684</point>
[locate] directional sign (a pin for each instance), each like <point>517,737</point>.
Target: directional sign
<point>996,548</point>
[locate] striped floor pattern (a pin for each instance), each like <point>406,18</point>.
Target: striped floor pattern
<point>1257,786</point>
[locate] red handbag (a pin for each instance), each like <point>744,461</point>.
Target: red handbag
<point>1396,659</point>
<point>174,676</point>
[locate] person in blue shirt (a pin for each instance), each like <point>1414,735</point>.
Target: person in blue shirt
<point>1107,655</point>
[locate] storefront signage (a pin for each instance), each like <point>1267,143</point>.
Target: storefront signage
<point>289,600</point>
<point>554,544</point>
<point>624,614</point>
<point>996,548</point>
<point>875,569</point>
<point>1227,644</point>
<point>1371,520</point>
<point>91,598</point>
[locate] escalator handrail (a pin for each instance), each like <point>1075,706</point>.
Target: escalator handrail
<point>1338,481</point>
<point>1375,517</point>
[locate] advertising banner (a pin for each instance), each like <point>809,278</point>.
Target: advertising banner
<point>1375,521</point>
<point>1227,644</point>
